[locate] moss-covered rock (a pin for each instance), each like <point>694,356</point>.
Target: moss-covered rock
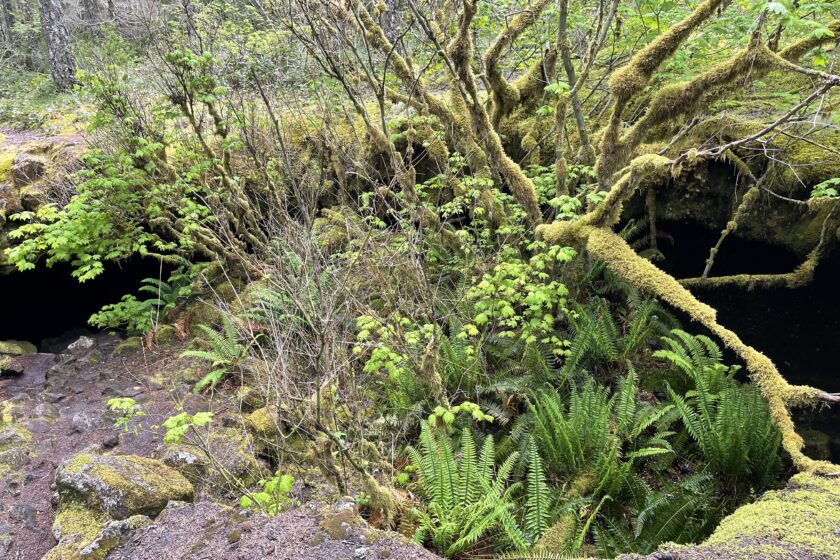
<point>75,526</point>
<point>164,334</point>
<point>233,457</point>
<point>249,399</point>
<point>263,422</point>
<point>111,536</point>
<point>17,348</point>
<point>121,485</point>
<point>801,521</point>
<point>128,346</point>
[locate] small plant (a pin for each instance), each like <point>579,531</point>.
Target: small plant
<point>468,500</point>
<point>129,411</point>
<point>447,416</point>
<point>521,299</point>
<point>225,353</point>
<point>179,425</point>
<point>140,316</point>
<point>273,497</point>
<point>827,188</point>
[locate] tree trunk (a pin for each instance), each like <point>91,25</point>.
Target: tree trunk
<point>189,13</point>
<point>90,13</point>
<point>391,20</point>
<point>62,61</point>
<point>8,20</point>
<point>31,57</point>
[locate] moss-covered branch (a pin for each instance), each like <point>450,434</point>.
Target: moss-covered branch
<point>619,257</point>
<point>503,94</point>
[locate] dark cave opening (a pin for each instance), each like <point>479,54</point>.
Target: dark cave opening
<point>799,329</point>
<point>50,308</point>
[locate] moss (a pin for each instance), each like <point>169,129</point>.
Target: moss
<point>249,399</point>
<point>75,526</point>
<point>634,76</point>
<point>263,421</point>
<point>800,521</point>
<point>164,334</point>
<point>232,456</point>
<point>128,346</point>
<point>202,313</point>
<point>560,535</point>
<point>17,348</point>
<point>7,156</point>
<point>809,163</point>
<point>122,485</point>
<point>385,501</point>
<point>339,526</point>
<point>111,537</point>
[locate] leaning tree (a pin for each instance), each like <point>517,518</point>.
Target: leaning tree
<point>585,92</point>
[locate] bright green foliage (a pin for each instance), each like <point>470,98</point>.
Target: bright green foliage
<point>520,298</point>
<point>140,316</point>
<point>87,232</point>
<point>827,188</point>
<point>273,497</point>
<point>129,411</point>
<point>730,422</point>
<point>592,432</point>
<point>224,351</point>
<point>699,359</point>
<point>598,339</point>
<point>179,425</point>
<point>734,434</point>
<point>683,512</point>
<point>468,500</point>
<point>446,416</point>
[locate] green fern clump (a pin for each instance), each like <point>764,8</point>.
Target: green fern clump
<point>599,342</point>
<point>224,351</point>
<point>729,422</point>
<point>595,430</point>
<point>468,499</point>
<point>139,316</point>
<point>734,434</point>
<point>698,359</point>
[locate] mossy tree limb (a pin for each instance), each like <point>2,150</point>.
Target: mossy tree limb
<point>503,94</point>
<point>605,245</point>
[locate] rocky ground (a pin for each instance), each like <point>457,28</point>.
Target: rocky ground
<point>68,477</point>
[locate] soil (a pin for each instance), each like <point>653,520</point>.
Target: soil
<point>60,399</point>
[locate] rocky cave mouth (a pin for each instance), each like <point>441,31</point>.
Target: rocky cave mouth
<point>50,308</point>
<point>798,329</point>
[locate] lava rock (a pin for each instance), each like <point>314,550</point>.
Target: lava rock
<point>26,169</point>
<point>121,485</point>
<point>24,512</point>
<point>86,421</point>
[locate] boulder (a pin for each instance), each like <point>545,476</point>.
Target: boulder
<point>128,346</point>
<point>17,348</point>
<point>111,536</point>
<point>121,485</point>
<point>234,454</point>
<point>26,169</point>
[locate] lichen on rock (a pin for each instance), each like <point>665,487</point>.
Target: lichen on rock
<point>121,485</point>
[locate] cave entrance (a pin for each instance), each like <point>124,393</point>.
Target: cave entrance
<point>50,308</point>
<point>799,329</point>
